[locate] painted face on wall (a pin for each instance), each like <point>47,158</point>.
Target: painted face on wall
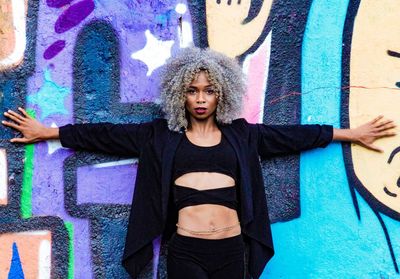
<point>374,78</point>
<point>201,98</point>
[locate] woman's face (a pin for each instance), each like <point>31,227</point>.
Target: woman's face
<point>201,98</point>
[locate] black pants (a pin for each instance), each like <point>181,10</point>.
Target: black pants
<point>197,258</point>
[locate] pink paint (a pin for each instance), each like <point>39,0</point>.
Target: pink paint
<point>256,75</point>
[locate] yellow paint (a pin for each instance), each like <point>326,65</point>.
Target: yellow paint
<point>376,30</point>
<point>227,33</point>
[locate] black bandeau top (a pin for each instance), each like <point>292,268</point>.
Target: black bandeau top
<point>220,158</point>
<point>186,196</point>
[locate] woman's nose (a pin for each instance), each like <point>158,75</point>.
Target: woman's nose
<point>200,97</point>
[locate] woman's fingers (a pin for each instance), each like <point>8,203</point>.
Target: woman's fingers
<point>385,127</point>
<point>374,147</point>
<point>23,111</point>
<point>376,119</point>
<point>17,115</point>
<point>384,124</point>
<point>11,125</point>
<point>385,134</point>
<point>19,140</point>
<point>14,116</point>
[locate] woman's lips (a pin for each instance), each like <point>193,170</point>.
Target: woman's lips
<point>200,110</point>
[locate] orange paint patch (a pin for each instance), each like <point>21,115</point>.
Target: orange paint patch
<point>7,31</point>
<point>31,256</point>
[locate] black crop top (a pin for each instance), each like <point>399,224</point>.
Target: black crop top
<point>220,158</point>
<point>186,196</point>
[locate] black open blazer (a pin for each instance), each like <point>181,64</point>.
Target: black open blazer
<point>152,211</point>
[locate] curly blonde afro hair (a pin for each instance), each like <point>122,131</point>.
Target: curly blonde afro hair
<point>223,73</point>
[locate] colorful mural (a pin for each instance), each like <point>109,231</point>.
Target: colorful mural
<point>63,214</point>
<point>368,91</point>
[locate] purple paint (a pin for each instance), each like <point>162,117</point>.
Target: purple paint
<point>130,19</point>
<point>49,186</point>
<point>54,49</point>
<point>106,185</point>
<point>57,3</point>
<point>74,15</point>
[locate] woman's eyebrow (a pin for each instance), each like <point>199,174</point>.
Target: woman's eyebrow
<point>393,153</point>
<point>195,87</point>
<point>393,53</point>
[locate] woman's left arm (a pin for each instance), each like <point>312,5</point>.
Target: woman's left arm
<point>367,133</point>
<point>276,140</point>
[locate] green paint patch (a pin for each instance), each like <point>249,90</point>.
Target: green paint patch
<point>70,229</point>
<point>26,191</point>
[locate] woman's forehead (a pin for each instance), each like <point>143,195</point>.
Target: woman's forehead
<point>201,77</point>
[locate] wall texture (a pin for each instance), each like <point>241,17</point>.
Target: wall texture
<point>335,211</point>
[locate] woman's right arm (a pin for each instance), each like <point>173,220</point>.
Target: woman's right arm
<point>118,139</point>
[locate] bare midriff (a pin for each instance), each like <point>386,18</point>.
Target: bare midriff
<point>209,221</point>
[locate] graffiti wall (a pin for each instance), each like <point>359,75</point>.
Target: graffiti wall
<point>335,211</point>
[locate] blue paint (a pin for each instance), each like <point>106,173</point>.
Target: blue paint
<point>96,72</point>
<point>8,101</point>
<point>327,241</point>
<point>112,240</point>
<point>50,98</point>
<point>16,266</point>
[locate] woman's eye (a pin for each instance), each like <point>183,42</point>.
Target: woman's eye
<point>190,92</point>
<point>210,91</point>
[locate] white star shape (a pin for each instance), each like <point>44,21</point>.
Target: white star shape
<point>53,145</point>
<point>155,52</point>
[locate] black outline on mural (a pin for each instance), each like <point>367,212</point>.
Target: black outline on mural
<point>14,164</point>
<point>355,185</point>
<point>16,80</point>
<point>88,210</point>
<point>288,23</point>
<point>199,23</point>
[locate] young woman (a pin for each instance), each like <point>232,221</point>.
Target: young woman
<point>199,177</point>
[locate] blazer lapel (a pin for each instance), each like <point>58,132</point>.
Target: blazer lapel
<point>246,193</point>
<point>167,161</point>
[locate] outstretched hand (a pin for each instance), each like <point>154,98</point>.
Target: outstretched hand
<point>367,133</point>
<point>31,129</point>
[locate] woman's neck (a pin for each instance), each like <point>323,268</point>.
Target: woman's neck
<point>202,127</point>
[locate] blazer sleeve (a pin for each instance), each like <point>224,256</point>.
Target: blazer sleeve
<point>118,139</point>
<point>274,140</point>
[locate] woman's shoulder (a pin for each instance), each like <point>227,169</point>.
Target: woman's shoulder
<point>238,123</point>
<point>159,122</point>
